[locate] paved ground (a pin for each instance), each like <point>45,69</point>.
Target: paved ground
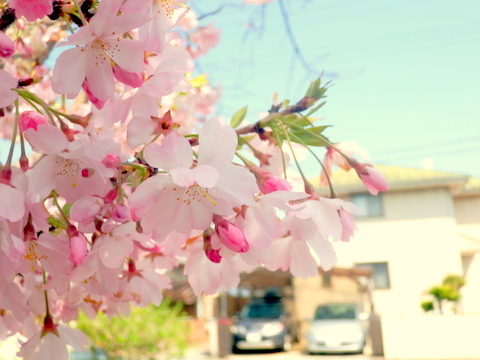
<point>203,353</point>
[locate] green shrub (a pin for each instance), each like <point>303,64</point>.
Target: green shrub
<point>147,333</point>
<point>427,305</point>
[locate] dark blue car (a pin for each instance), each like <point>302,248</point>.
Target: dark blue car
<point>264,323</point>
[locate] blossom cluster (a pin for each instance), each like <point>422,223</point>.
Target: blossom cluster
<point>123,174</point>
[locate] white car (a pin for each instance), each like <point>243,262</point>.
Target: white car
<point>337,328</point>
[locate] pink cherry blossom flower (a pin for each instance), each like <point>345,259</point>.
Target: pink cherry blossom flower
<point>294,255</point>
<point>51,343</point>
<point>205,38</point>
<point>143,287</point>
<point>13,203</point>
<point>193,194</point>
<point>340,155</point>
<point>348,222</point>
<point>6,46</point>
<point>30,119</point>
<point>208,277</point>
<point>31,9</point>
<point>97,45</point>
<point>7,83</point>
<point>162,16</point>
<point>66,168</point>
<point>86,209</point>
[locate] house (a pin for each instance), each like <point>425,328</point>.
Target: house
<point>426,226</point>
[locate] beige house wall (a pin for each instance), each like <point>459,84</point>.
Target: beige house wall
<point>417,236</point>
<point>310,292</point>
<point>467,210</point>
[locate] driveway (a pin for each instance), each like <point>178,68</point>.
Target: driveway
<point>203,354</point>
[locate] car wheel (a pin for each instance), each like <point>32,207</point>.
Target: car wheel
<point>287,343</point>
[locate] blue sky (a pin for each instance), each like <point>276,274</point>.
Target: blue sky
<point>406,73</point>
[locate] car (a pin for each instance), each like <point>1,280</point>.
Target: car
<point>337,328</point>
<point>93,353</point>
<point>265,323</point>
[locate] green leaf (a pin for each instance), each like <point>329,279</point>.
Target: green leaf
<point>238,117</point>
<point>57,223</point>
<point>310,136</point>
<point>294,121</point>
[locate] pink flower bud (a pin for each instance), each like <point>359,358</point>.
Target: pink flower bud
<point>30,120</point>
<point>6,46</point>
<point>213,255</point>
<point>132,79</point>
<point>78,248</point>
<point>120,213</point>
<point>87,172</point>
<point>269,183</point>
<point>111,196</point>
<point>231,236</point>
<point>373,180</point>
<point>111,161</point>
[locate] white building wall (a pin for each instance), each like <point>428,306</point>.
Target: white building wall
<point>417,237</point>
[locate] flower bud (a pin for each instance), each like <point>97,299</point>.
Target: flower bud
<point>268,183</point>
<point>231,236</point>
<point>78,248</point>
<point>6,46</point>
<point>212,254</point>
<point>30,120</point>
<point>111,161</point>
<point>373,180</point>
<point>120,213</point>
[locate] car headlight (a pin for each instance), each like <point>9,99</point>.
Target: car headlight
<point>238,329</point>
<point>318,335</point>
<point>272,329</point>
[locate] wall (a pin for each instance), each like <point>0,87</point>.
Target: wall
<point>431,337</point>
<point>467,209</point>
<point>417,236</point>
<point>309,293</point>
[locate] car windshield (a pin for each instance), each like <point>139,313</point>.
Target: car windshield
<point>335,311</point>
<point>262,311</point>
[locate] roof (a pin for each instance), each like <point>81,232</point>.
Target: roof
<point>398,178</point>
<point>472,187</point>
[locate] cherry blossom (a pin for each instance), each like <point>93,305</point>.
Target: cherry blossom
<point>98,44</point>
<point>7,83</point>
<point>6,45</point>
<point>119,171</point>
<point>194,194</point>
<point>31,9</point>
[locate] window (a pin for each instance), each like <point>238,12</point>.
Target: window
<point>380,276</point>
<point>368,204</point>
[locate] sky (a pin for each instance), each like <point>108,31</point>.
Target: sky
<point>405,74</point>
